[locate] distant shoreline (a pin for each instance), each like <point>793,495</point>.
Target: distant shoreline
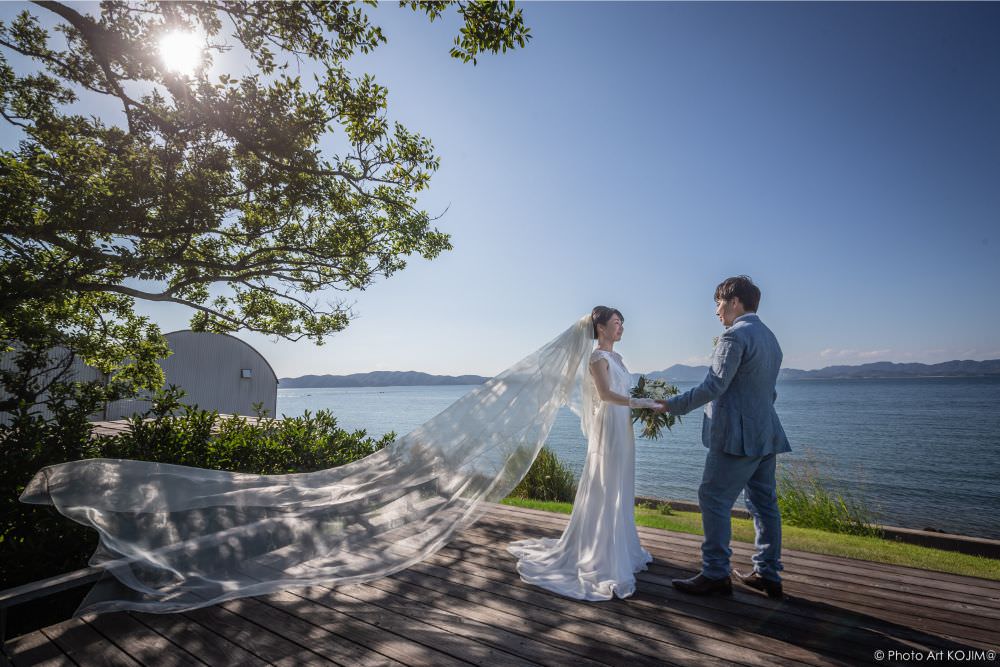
<point>780,381</point>
<point>880,370</point>
<point>379,379</point>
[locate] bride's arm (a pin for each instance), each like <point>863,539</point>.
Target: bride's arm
<point>600,371</point>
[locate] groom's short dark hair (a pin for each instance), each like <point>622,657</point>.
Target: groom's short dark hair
<point>742,288</point>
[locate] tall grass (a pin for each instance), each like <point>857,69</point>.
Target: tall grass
<point>807,500</point>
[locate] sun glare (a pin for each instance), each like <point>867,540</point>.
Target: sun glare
<point>181,51</point>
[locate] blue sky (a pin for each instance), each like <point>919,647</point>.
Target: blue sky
<point>846,156</point>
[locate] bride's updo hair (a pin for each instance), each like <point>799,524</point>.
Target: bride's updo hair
<point>602,315</point>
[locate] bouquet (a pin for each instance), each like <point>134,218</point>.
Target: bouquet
<point>653,422</point>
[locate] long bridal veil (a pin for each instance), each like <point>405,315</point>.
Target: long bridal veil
<point>178,538</point>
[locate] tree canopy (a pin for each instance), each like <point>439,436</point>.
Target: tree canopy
<point>207,179</point>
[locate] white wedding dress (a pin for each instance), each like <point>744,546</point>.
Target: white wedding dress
<point>599,552</point>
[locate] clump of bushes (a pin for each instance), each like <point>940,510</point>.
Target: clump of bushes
<point>268,447</point>
<point>547,479</point>
<point>37,542</point>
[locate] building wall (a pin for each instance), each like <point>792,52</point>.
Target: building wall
<point>77,371</point>
<point>206,366</point>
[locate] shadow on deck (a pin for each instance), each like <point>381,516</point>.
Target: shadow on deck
<point>466,604</point>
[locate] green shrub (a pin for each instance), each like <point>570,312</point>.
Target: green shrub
<point>547,479</point>
<point>269,447</point>
<point>806,501</point>
<point>37,542</point>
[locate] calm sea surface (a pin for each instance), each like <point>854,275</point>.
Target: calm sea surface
<point>919,452</point>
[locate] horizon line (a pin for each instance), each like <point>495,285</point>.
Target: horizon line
<point>783,368</point>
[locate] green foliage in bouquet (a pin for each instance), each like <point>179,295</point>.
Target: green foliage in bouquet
<point>653,423</point>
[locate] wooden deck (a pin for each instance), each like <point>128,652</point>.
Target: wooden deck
<point>466,605</point>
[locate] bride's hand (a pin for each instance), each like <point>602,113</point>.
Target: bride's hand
<point>661,407</point>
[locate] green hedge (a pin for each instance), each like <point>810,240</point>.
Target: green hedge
<point>37,542</point>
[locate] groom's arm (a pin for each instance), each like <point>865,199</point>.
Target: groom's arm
<point>728,355</point>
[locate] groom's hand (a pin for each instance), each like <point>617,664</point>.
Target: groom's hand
<point>663,407</point>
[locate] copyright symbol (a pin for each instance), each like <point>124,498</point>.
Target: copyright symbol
<point>879,655</point>
<point>991,655</point>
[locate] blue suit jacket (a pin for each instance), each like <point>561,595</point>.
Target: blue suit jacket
<point>739,390</point>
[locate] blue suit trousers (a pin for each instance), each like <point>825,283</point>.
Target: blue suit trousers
<point>724,477</point>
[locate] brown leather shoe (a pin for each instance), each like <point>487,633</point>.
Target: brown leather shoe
<point>702,585</point>
<point>754,580</point>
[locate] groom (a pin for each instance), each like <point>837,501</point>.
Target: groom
<point>743,436</point>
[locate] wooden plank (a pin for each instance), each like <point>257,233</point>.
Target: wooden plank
<point>142,644</point>
<point>609,643</point>
<point>60,582</point>
<point>35,649</point>
<point>329,646</point>
<point>904,598</point>
<point>920,612</point>
<point>198,640</point>
<point>724,615</point>
<point>85,646</point>
<point>407,640</point>
<point>986,587</point>
<point>502,513</point>
<point>927,600</point>
<point>535,644</point>
<point>255,639</point>
<point>899,616</point>
<point>677,629</point>
<point>904,616</point>
<point>466,604</point>
<point>748,611</point>
<point>833,639</point>
<point>940,583</point>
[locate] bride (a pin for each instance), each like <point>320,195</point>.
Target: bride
<point>599,552</point>
<point>175,538</point>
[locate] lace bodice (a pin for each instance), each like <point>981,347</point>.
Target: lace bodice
<point>619,378</point>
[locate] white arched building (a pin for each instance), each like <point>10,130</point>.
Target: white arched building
<point>216,371</point>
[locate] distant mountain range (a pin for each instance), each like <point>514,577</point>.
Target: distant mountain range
<point>879,369</point>
<point>676,373</point>
<point>378,379</point>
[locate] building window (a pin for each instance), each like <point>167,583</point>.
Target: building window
<point>246,372</point>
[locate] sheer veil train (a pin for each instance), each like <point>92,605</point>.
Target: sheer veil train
<point>178,538</point>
